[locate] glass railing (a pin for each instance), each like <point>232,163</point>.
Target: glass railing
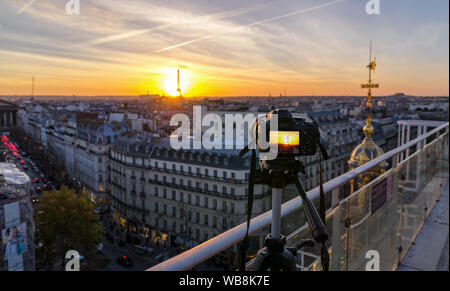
<point>383,216</point>
<point>382,213</point>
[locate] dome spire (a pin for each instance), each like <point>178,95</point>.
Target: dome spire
<point>367,150</point>
<point>368,128</point>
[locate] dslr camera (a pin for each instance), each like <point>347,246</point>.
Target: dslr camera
<point>294,137</point>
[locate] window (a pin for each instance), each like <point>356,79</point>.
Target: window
<point>189,198</point>
<point>156,191</point>
<point>197,217</point>
<point>173,195</point>
<point>174,211</point>
<point>214,204</point>
<point>206,219</point>
<point>224,190</point>
<point>205,204</point>
<point>181,197</point>
<point>232,191</point>
<point>215,173</point>
<point>224,174</point>
<point>233,175</point>
<point>164,193</point>
<point>215,188</point>
<point>206,172</point>
<point>215,221</point>
<point>156,207</point>
<point>165,209</point>
<point>206,186</point>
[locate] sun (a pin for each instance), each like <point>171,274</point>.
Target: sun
<point>170,82</point>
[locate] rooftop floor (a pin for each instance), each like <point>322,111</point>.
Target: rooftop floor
<point>429,251</point>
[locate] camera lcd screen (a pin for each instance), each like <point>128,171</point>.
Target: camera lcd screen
<point>288,141</point>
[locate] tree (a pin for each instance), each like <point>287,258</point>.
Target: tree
<point>65,220</point>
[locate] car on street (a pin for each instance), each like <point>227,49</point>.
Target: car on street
<point>124,261</point>
<point>36,180</point>
<point>35,199</point>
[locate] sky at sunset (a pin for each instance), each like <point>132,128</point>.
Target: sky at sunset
<point>223,48</point>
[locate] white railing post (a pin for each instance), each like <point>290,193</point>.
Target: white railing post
<point>408,137</point>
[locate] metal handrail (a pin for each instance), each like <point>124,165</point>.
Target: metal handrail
<point>208,249</point>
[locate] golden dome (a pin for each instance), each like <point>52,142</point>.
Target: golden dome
<point>367,150</point>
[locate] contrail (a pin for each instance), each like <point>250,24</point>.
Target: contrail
<point>250,25</point>
<point>25,7</point>
<point>203,18</point>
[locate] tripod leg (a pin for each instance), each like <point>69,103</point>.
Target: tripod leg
<point>316,225</point>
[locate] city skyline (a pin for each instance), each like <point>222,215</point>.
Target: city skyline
<point>222,49</point>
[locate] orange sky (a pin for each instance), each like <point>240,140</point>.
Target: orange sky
<point>223,49</point>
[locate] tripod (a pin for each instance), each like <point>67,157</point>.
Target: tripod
<point>275,256</point>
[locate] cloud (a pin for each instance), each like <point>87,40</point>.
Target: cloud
<point>25,7</point>
<point>204,19</point>
<point>259,44</point>
<point>297,12</point>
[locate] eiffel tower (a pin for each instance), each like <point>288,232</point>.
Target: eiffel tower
<point>178,84</point>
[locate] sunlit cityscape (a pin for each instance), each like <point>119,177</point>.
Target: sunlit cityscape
<point>130,135</point>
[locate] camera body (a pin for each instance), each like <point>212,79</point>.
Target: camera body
<point>294,137</point>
